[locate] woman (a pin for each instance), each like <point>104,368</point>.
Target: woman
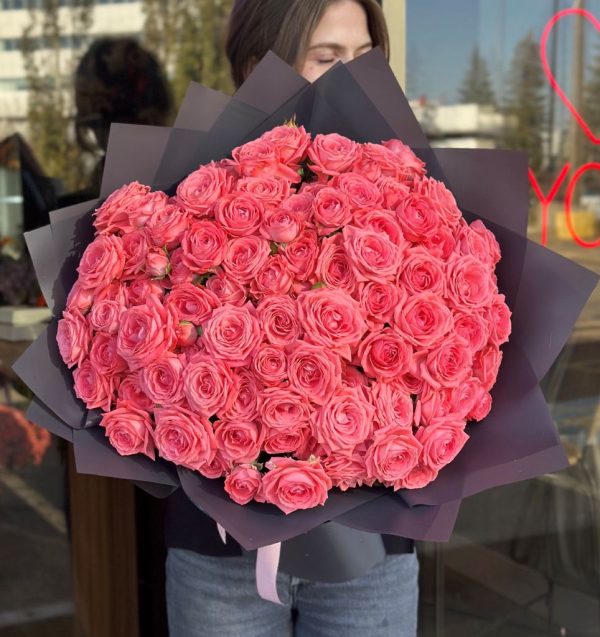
<point>210,585</point>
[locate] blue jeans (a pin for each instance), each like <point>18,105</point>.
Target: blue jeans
<point>216,597</point>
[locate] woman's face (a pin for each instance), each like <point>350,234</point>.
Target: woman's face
<point>341,35</point>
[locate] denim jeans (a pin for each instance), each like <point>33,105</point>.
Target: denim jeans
<point>216,596</point>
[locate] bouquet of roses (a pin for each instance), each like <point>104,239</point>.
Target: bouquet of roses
<point>317,308</point>
<point>303,318</point>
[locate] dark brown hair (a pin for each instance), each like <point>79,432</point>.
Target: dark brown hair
<point>284,27</point>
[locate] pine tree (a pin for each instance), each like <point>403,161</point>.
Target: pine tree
<point>525,109</point>
<point>477,86</point>
<point>49,69</point>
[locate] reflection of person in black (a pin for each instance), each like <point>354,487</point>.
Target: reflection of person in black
<point>117,81</point>
<point>210,585</point>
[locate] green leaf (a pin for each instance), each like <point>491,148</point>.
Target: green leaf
<point>317,285</point>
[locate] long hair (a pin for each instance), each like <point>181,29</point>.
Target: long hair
<point>285,27</point>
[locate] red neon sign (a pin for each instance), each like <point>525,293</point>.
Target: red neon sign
<point>545,201</point>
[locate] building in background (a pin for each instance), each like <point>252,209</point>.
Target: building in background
<point>107,17</point>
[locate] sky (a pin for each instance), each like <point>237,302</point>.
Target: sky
<point>441,35</point>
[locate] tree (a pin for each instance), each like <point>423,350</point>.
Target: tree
<point>49,68</point>
<point>525,109</point>
<point>187,36</point>
<point>477,86</point>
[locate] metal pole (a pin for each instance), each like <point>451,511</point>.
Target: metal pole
<point>577,72</point>
<point>552,96</point>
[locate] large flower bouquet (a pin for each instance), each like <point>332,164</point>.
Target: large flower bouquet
<point>316,308</point>
<point>303,318</point>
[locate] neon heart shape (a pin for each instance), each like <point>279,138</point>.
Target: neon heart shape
<point>544,56</point>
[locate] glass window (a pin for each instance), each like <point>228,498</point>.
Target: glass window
<point>524,559</point>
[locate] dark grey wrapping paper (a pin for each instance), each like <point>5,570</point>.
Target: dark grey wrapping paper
<point>362,100</point>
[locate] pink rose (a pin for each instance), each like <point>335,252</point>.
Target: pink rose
<point>129,430</point>
<point>423,320</point>
<point>346,469</point>
<point>274,277</point>
<point>393,407</point>
<point>232,334</point>
<point>440,243</point>
<point>151,204</point>
<point>472,327</point>
<point>353,377</point>
<point>238,441</point>
<point>421,272</point>
<point>331,209</point>
<point>192,303</point>
<point>270,365</point>
<point>239,214</point>
<point>442,198</point>
<point>313,371</point>
<point>102,262</point>
<point>209,386</point>
<point>278,317</point>
<point>80,298</point>
<point>95,389</point>
<point>389,163</point>
<point>245,256</point>
<point>162,380</point>
<point>201,190</point>
<point>393,454</point>
<point>146,332</point>
<point>385,354</point>
<point>332,154</point>
<point>334,267</point>
<point>477,241</point>
<point>115,291</point>
<point>130,391</point>
<point>372,255</point>
<point>361,192</point>
<point>295,484</point>
<point>418,217</point>
<point>285,416</point>
<point>497,316</point>
<point>291,141</point>
<point>301,255</point>
<point>156,264</point>
<point>243,484</point>
<point>74,337</point>
<point>482,408</point>
<point>412,166</point>
<point>448,364</point>
<point>167,226</point>
<point>469,283</point>
<point>434,404</point>
<point>419,477</point>
<point>141,289</point>
<point>215,469</point>
<point>135,247</point>
<point>204,246</point>
<point>465,398</point>
<point>244,405</point>
<point>382,221</point>
<point>104,356</point>
<point>344,421</point>
<point>184,438</point>
<point>366,168</point>
<point>299,205</point>
<point>412,383</point>
<point>486,364</point>
<point>113,215</point>
<point>378,301</point>
<point>261,158</point>
<point>226,288</point>
<point>268,190</point>
<point>331,318</point>
<point>442,442</point>
<point>187,334</point>
<point>281,226</point>
<point>293,439</point>
<point>393,191</point>
<point>179,273</point>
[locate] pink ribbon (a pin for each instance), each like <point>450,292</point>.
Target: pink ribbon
<point>267,565</point>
